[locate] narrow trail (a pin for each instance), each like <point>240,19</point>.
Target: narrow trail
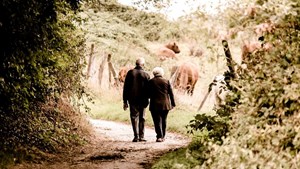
<point>112,148</point>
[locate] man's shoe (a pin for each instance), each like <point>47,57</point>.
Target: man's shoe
<point>159,140</point>
<point>135,140</point>
<point>142,140</point>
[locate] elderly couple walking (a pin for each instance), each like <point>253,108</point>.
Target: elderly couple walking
<point>138,89</point>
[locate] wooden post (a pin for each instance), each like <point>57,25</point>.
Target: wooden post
<point>91,59</point>
<point>112,71</point>
<point>229,60</point>
<point>101,69</point>
<point>230,64</point>
<point>109,70</point>
<point>204,99</point>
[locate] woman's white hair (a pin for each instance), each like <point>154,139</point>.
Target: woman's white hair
<point>158,71</point>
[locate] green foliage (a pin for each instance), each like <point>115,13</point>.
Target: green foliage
<point>265,122</point>
<point>111,109</point>
<point>207,130</point>
<point>259,126</point>
<point>192,156</point>
<point>216,126</point>
<point>180,158</point>
<point>270,84</point>
<point>41,53</point>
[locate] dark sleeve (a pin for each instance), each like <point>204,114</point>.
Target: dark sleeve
<point>127,85</point>
<point>170,91</point>
<point>148,77</point>
<point>147,86</point>
<point>146,91</point>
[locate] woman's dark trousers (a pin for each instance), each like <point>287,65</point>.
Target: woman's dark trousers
<point>160,122</point>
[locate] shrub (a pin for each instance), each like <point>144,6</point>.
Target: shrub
<point>265,123</point>
<point>41,62</point>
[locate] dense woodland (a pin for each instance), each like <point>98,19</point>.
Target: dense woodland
<point>44,51</point>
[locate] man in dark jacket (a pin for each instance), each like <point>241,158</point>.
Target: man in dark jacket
<point>161,102</point>
<point>134,93</point>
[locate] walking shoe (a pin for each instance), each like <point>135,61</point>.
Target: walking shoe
<point>135,140</point>
<point>142,140</point>
<point>159,140</point>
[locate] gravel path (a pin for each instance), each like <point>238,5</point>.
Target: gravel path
<point>112,148</point>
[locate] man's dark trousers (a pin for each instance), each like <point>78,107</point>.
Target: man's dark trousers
<point>137,116</point>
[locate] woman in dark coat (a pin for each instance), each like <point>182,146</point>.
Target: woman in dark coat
<point>161,102</point>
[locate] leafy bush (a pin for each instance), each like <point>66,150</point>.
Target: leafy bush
<point>216,126</point>
<point>41,62</point>
<point>259,126</point>
<point>265,123</point>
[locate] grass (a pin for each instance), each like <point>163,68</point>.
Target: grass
<point>177,159</point>
<point>108,105</point>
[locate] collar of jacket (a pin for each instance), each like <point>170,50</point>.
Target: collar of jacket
<point>138,67</point>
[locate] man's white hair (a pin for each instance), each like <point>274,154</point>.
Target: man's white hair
<point>140,61</point>
<point>158,71</point>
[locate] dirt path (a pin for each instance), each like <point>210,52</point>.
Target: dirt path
<point>112,149</point>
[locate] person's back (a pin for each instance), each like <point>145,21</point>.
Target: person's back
<point>134,93</point>
<point>159,91</point>
<point>161,101</point>
<point>134,86</point>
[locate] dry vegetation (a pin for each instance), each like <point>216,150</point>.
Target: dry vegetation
<point>125,40</point>
<point>263,129</point>
<point>262,123</point>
